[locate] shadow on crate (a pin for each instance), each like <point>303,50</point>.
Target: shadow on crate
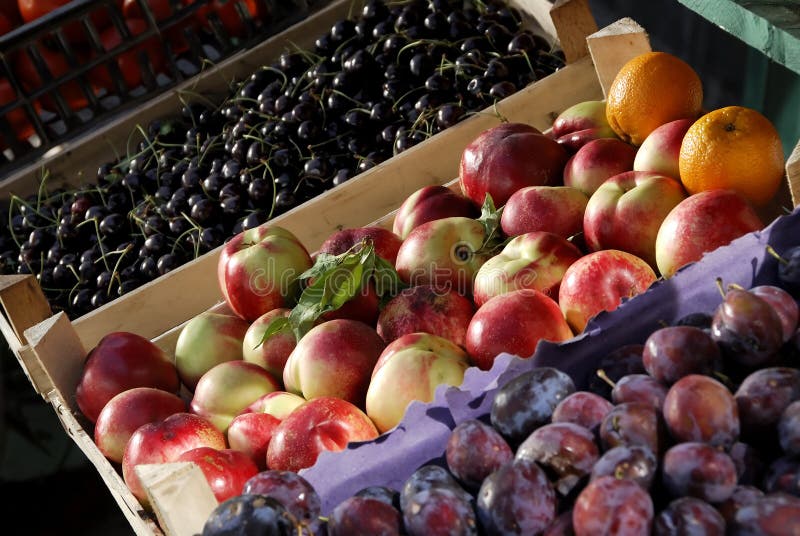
<point>48,486</point>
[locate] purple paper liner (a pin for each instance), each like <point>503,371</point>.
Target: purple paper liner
<point>422,435</point>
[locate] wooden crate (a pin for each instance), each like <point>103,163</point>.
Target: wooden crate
<point>178,492</point>
<point>362,199</point>
<point>57,347</point>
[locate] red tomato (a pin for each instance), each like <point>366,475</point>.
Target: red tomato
<point>225,470</point>
<point>229,15</point>
<point>5,24</point>
<point>74,32</point>
<point>10,11</point>
<point>161,10</point>
<point>128,62</point>
<point>57,64</point>
<point>17,119</point>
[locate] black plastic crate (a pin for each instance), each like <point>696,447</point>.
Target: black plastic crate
<point>53,88</point>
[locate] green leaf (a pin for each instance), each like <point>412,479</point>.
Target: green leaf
<point>387,281</point>
<point>333,281</point>
<point>276,326</point>
<point>323,262</point>
<point>490,219</point>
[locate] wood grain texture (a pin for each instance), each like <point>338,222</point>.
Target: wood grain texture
<point>170,488</point>
<point>613,46</point>
<point>771,27</point>
<point>573,21</point>
<point>23,303</point>
<point>793,174</point>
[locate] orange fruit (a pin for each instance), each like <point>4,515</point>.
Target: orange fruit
<point>650,90</point>
<point>735,148</point>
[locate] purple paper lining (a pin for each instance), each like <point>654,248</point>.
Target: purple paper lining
<point>422,434</point>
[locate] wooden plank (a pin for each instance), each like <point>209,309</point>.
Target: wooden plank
<point>573,21</point>
<point>793,174</point>
<point>191,289</point>
<point>34,371</point>
<point>770,26</point>
<point>613,46</point>
<point>59,349</point>
<point>23,303</point>
<point>141,521</point>
<point>56,345</point>
<point>180,496</point>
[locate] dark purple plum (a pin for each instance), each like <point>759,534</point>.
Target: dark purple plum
<point>293,491</point>
<point>527,402</point>
<point>747,328</point>
<point>699,408</point>
<point>689,516</point>
<point>516,499</point>
<point>783,303</point>
<point>742,496</point>
<point>565,450</point>
<point>621,362</point>
<point>249,514</point>
<point>639,388</point>
<point>362,515</point>
<point>698,470</point>
<point>610,505</point>
<point>475,450</point>
<point>789,429</point>
<point>764,395</point>
<point>583,408</point>
<point>633,423</point>
<point>783,474</point>
<point>439,511</point>
<point>777,513</point>
<point>635,462</point>
<point>673,352</point>
<point>427,477</point>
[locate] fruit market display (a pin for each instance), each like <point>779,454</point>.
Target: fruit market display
<point>370,88</point>
<point>696,429</point>
<point>542,240</point>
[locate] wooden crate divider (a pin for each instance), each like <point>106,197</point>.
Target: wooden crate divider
<point>793,175</point>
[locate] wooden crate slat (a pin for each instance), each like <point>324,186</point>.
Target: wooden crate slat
<point>573,21</point>
<point>23,302</point>
<point>170,488</point>
<point>613,46</point>
<point>142,523</point>
<point>59,350</point>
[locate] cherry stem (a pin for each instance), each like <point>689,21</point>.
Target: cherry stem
<point>777,255</point>
<point>603,376</point>
<point>720,286</point>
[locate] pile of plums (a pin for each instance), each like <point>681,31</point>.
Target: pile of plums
<point>370,88</point>
<point>697,431</point>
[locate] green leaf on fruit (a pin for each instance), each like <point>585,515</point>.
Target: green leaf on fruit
<point>273,328</point>
<point>493,236</point>
<point>333,281</point>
